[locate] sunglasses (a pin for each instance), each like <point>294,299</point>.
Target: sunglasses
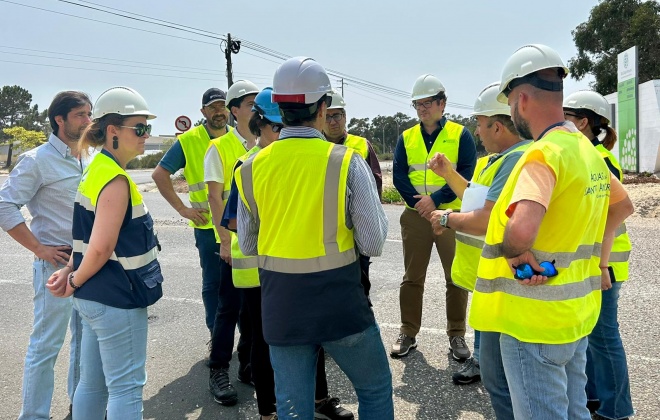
<point>140,129</point>
<point>525,271</point>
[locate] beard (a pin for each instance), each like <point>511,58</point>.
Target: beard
<point>521,124</point>
<point>73,133</point>
<point>217,122</point>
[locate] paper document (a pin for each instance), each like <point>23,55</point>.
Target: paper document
<point>474,198</point>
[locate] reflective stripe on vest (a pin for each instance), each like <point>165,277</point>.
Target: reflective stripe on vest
<point>229,148</point>
<point>621,246</point>
<point>194,144</point>
<point>243,268</point>
<point>566,308</point>
<point>424,180</point>
<point>468,248</point>
<point>357,143</point>
<point>306,248</point>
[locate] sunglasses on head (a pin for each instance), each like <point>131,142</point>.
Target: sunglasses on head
<point>140,129</point>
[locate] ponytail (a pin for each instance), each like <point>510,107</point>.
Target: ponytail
<point>94,135</point>
<point>610,137</point>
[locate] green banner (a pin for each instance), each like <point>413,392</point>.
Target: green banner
<point>627,92</point>
<point>627,101</point>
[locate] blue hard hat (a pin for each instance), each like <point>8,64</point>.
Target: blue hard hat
<point>265,107</point>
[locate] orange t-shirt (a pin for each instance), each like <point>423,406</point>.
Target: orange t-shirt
<point>537,181</point>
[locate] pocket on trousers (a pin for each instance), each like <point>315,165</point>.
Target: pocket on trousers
<point>557,354</point>
<point>151,274</point>
<point>89,309</point>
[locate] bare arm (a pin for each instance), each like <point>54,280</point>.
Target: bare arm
<point>443,167</point>
<point>473,222</point>
<point>616,215</point>
<point>522,228</point>
<point>161,177</point>
<point>110,212</point>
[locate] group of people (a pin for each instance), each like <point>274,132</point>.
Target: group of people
<point>286,212</point>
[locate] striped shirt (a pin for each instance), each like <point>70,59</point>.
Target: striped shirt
<point>364,213</point>
<point>45,180</point>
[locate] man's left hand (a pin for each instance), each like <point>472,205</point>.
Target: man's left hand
<point>527,258</point>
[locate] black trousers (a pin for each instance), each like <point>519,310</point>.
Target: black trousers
<point>230,314</point>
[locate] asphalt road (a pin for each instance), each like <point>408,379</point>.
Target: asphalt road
<point>177,386</point>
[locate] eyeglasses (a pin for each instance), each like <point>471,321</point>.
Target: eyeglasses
<point>335,117</point>
<point>140,129</point>
<point>570,114</point>
<point>425,104</point>
<point>525,271</point>
<point>216,107</point>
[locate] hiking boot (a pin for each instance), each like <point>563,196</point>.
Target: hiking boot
<point>245,374</point>
<point>459,350</point>
<point>469,373</point>
<point>403,345</point>
<point>329,409</point>
<point>222,390</point>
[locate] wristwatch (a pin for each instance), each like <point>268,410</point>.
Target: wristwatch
<point>444,219</point>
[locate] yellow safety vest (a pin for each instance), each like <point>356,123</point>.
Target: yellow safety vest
<point>194,144</point>
<point>280,186</point>
<point>566,308</point>
<point>357,143</point>
<point>424,180</point>
<point>244,269</point>
<point>468,248</point>
<point>132,277</point>
<point>230,148</point>
<point>622,246</point>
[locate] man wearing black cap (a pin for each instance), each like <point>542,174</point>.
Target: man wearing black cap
<point>188,153</point>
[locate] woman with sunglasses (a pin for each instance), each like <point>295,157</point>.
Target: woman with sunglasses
<point>608,384</point>
<point>113,273</point>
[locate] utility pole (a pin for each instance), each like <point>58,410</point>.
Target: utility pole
<point>383,137</point>
<point>342,87</point>
<point>231,47</point>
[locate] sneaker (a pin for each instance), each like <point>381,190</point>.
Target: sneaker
<point>222,390</point>
<point>469,373</point>
<point>459,350</point>
<point>403,345</point>
<point>329,409</point>
<point>245,374</point>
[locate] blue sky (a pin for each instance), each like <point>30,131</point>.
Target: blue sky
<point>464,43</point>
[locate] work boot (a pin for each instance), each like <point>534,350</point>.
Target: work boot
<point>469,373</point>
<point>459,350</point>
<point>329,409</point>
<point>403,345</point>
<point>222,390</point>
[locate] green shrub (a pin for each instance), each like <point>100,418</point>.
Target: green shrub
<point>386,156</point>
<point>145,162</point>
<point>391,196</point>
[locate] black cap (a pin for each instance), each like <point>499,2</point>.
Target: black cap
<point>213,95</point>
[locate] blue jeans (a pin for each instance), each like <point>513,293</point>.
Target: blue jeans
<point>477,345</point>
<point>209,260</point>
<point>360,356</point>
<point>546,380</point>
<point>112,364</point>
<point>493,376</point>
<point>51,316</point>
<point>607,368</point>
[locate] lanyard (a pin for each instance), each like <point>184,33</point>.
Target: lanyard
<point>543,133</point>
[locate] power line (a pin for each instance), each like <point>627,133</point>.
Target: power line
<point>106,71</point>
<point>204,33</point>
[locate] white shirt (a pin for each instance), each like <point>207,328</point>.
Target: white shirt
<point>213,170</point>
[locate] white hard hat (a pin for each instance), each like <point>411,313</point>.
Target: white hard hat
<point>300,80</point>
<point>239,89</point>
<point>123,101</point>
<point>527,60</point>
<point>337,100</point>
<point>426,86</point>
<point>593,101</point>
<point>487,103</point>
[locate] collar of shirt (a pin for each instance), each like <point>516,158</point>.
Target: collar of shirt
<point>59,145</point>
<point>239,137</point>
<point>431,137</point>
<point>302,131</point>
<point>504,152</point>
